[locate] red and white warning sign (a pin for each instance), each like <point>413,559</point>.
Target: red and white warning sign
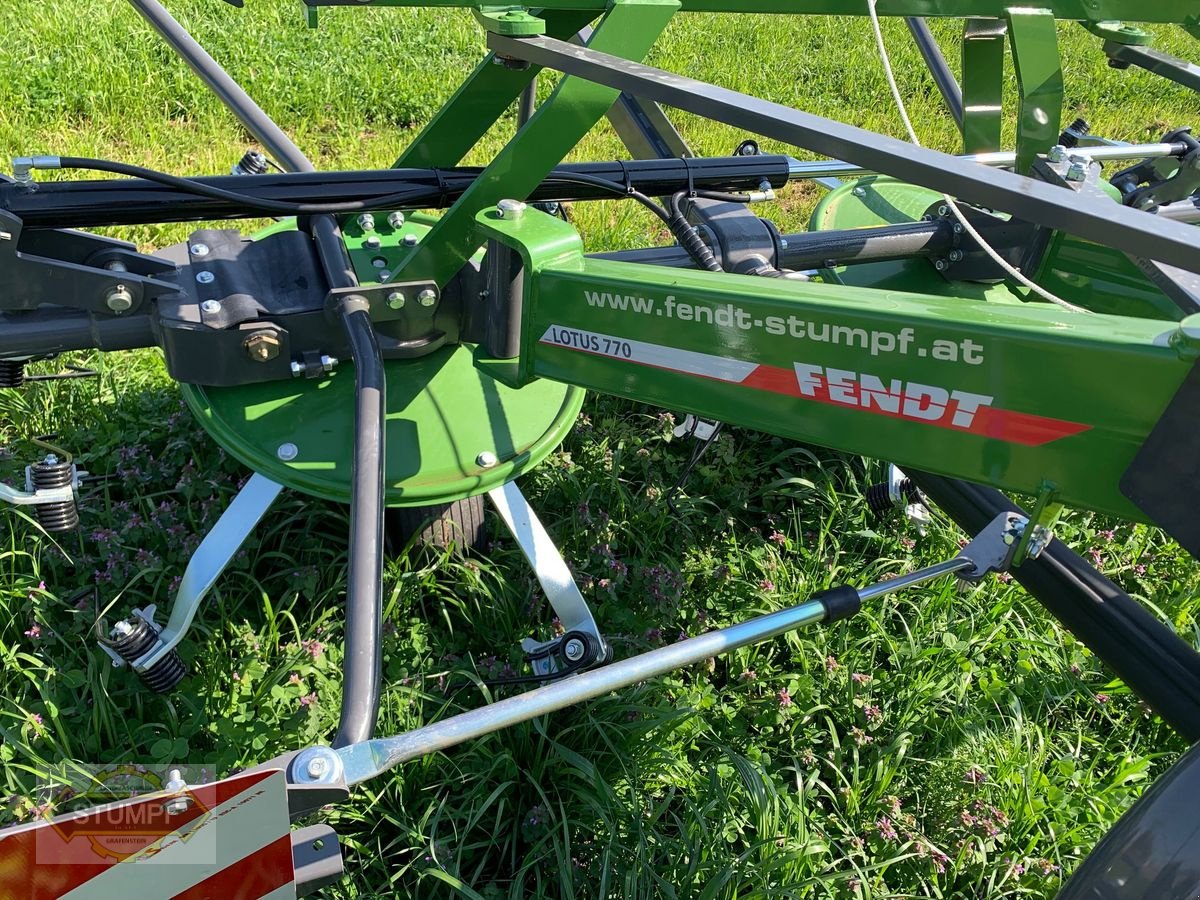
<point>231,838</point>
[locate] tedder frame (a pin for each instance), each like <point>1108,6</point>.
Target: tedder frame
<point>990,321</point>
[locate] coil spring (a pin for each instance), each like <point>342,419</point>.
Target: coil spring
<point>138,638</point>
<point>879,496</point>
<point>61,515</point>
<point>253,163</point>
<point>12,373</point>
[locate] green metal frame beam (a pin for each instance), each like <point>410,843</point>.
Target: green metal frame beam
<point>1081,10</point>
<point>983,84</point>
<point>1040,82</point>
<point>628,30</point>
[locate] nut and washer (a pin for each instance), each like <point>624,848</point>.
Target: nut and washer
<point>316,767</point>
<point>511,209</point>
<point>119,299</point>
<point>396,300</point>
<point>396,219</point>
<point>263,346</point>
<point>199,249</point>
<point>487,460</point>
<point>287,452</point>
<point>1057,153</point>
<point>410,240</point>
<point>427,297</point>
<point>574,650</point>
<point>205,277</point>
<point>366,222</point>
<point>210,307</point>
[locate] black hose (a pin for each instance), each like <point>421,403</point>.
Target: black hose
<point>1159,666</point>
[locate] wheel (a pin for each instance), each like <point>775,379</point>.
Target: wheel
<point>460,523</point>
<point>1154,850</point>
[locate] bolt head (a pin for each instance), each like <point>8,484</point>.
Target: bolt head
<point>210,307</point>
<point>177,805</point>
<point>956,255</point>
<point>297,368</point>
<point>316,767</point>
<point>287,452</point>
<point>410,240</point>
<point>396,219</point>
<point>859,191</point>
<point>366,222</point>
<point>396,300</point>
<point>119,299</point>
<point>574,650</point>
<point>373,242</point>
<point>199,249</point>
<point>487,460</point>
<point>1077,172</point>
<point>511,209</point>
<point>427,297</point>
<point>1057,153</point>
<point>328,363</point>
<point>205,277</point>
<point>263,346</point>
<point>941,265</point>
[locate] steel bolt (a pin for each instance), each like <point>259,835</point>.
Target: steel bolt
<point>176,805</point>
<point>263,346</point>
<point>366,222</point>
<point>427,297</point>
<point>956,255</point>
<point>943,210</point>
<point>384,275</point>
<point>379,262</point>
<point>199,249</point>
<point>210,307</point>
<point>297,368</point>
<point>487,460</point>
<point>316,767</point>
<point>396,219</point>
<point>1057,153</point>
<point>574,650</point>
<point>941,265</point>
<point>205,277</point>
<point>859,191</point>
<point>1078,168</point>
<point>287,452</point>
<point>328,363</point>
<point>410,240</point>
<point>395,300</point>
<point>511,209</point>
<point>373,242</point>
<point>119,299</point>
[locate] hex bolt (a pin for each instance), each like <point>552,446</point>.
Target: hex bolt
<point>379,262</point>
<point>199,249</point>
<point>574,650</point>
<point>205,277</point>
<point>395,300</point>
<point>119,299</point>
<point>297,368</point>
<point>396,219</point>
<point>366,222</point>
<point>263,346</point>
<point>287,452</point>
<point>943,210</point>
<point>328,363</point>
<point>427,297</point>
<point>1057,153</point>
<point>176,805</point>
<point>210,307</point>
<point>511,209</point>
<point>316,767</point>
<point>373,242</point>
<point>384,275</point>
<point>487,460</point>
<point>941,265</point>
<point>1078,168</point>
<point>956,255</point>
<point>859,191</point>
<point>410,240</point>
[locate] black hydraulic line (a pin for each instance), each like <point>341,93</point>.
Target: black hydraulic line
<point>946,83</point>
<point>134,201</point>
<point>1158,665</point>
<point>364,591</point>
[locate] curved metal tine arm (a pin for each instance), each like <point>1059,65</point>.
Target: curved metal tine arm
<point>548,565</point>
<point>210,560</point>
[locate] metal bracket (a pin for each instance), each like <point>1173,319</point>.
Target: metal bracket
<point>994,548</point>
<point>210,560</point>
<point>553,575</point>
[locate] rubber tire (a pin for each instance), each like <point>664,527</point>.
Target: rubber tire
<point>461,523</point>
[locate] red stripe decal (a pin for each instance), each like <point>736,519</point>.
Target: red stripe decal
<point>254,876</point>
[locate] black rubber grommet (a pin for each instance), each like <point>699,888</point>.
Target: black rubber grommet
<point>839,602</point>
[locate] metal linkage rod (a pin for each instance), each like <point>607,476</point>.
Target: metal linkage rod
<point>364,591</point>
<point>946,83</point>
<point>374,757</point>
<point>1091,218</point>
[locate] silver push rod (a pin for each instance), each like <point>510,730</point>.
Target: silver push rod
<point>1000,159</point>
<point>372,758</point>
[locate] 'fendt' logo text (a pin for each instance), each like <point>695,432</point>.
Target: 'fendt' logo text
<point>910,400</point>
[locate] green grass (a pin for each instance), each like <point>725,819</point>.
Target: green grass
<point>980,751</point>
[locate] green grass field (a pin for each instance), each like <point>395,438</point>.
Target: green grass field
<point>945,743</point>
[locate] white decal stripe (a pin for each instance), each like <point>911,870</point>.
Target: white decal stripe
<point>689,362</point>
<point>230,832</point>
